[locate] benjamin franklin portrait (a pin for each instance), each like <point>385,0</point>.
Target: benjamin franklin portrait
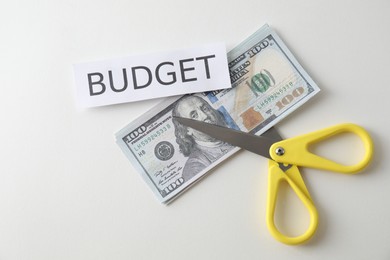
<point>201,149</point>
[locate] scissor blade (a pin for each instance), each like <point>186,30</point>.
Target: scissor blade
<point>253,143</point>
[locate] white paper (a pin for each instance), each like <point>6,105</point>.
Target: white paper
<point>154,75</point>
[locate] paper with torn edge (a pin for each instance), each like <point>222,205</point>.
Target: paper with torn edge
<point>153,75</point>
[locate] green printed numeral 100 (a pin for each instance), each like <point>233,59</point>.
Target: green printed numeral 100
<point>261,82</point>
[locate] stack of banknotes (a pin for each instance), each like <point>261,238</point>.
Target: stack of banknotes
<point>268,84</point>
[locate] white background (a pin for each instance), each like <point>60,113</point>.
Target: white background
<point>68,192</point>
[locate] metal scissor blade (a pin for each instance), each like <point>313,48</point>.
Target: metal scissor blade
<point>253,143</point>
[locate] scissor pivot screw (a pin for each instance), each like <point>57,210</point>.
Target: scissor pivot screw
<point>279,151</point>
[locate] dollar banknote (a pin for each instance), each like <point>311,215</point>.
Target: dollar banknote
<point>268,84</point>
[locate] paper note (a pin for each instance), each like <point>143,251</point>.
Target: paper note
<point>153,75</point>
<point>268,84</point>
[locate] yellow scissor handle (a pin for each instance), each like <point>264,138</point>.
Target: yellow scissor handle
<point>295,150</point>
<point>293,177</point>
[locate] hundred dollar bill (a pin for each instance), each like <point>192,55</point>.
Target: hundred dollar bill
<point>268,84</point>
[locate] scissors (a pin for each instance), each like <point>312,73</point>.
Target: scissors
<point>284,157</point>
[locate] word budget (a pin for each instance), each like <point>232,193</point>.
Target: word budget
<point>153,75</point>
<point>165,73</point>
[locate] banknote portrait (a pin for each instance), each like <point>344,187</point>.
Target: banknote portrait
<point>201,149</point>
